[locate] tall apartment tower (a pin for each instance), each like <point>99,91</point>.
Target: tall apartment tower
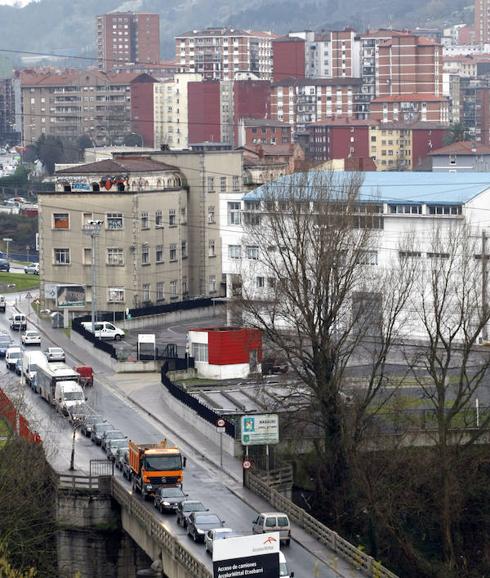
<point>482,21</point>
<point>125,38</point>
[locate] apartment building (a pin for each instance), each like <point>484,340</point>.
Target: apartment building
<point>68,103</point>
<point>9,111</point>
<point>253,131</point>
<point>143,245</point>
<point>171,110</point>
<point>221,53</point>
<point>338,138</point>
<point>127,38</point>
<point>482,21</point>
<point>461,157</point>
<point>410,108</point>
<point>299,102</point>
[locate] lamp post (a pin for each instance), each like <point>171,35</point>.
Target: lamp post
<point>7,240</point>
<point>92,228</point>
<point>76,425</point>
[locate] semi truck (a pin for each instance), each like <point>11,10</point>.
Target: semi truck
<point>154,465</point>
<point>47,377</point>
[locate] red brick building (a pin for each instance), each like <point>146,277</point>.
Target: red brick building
<point>252,131</point>
<point>142,109</point>
<point>482,21</point>
<point>288,55</point>
<point>410,108</point>
<point>204,112</point>
<point>125,38</point>
<point>338,138</point>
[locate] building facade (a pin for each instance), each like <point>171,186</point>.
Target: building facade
<point>221,53</point>
<point>461,157</point>
<point>127,38</point>
<point>253,131</point>
<point>9,111</point>
<point>410,108</point>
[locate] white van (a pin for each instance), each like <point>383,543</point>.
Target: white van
<point>67,395</point>
<point>12,355</point>
<point>283,567</point>
<point>104,330</point>
<point>30,362</point>
<point>18,322</point>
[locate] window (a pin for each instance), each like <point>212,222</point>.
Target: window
<point>86,218</point>
<point>146,292</point>
<point>211,215</point>
<point>173,289</point>
<point>172,218</point>
<point>251,252</point>
<point>212,283</point>
<point>183,215</point>
<point>409,254</point>
<point>200,352</point>
<point>234,213</point>
<point>236,184</point>
<point>144,220</point>
<point>260,282</point>
<point>212,248</point>
<point>87,256</point>
<point>145,254</point>
<point>184,286</point>
<point>210,184</point>
<point>234,251</point>
<point>445,210</point>
<point>115,295</point>
<point>159,218</point>
<point>114,221</point>
<point>61,256</point>
<point>173,252</point>
<point>438,255</point>
<point>160,294</point>
<point>61,221</point>
<point>368,258</point>
<point>222,184</point>
<point>183,249</point>
<point>159,253</point>
<point>115,257</point>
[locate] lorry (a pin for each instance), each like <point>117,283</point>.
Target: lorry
<point>68,395</point>
<point>154,465</point>
<point>86,375</point>
<point>48,376</point>
<point>31,360</point>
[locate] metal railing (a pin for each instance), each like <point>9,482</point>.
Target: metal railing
<point>361,561</point>
<point>74,482</point>
<point>157,531</point>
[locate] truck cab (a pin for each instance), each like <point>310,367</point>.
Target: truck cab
<point>67,395</point>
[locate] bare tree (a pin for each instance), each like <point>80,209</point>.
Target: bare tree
<point>320,298</point>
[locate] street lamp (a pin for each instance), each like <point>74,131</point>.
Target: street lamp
<point>7,240</point>
<point>92,228</point>
<point>76,425</point>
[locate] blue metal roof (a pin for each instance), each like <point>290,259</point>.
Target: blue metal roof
<point>390,187</point>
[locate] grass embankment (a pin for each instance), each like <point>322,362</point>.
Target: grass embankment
<point>4,433</point>
<point>15,282</point>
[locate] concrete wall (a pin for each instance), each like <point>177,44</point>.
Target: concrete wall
<point>170,318</point>
<point>79,509</point>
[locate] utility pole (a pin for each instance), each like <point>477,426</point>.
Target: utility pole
<point>484,276</point>
<point>7,241</point>
<point>92,228</point>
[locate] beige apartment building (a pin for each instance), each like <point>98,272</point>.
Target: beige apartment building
<point>160,238</point>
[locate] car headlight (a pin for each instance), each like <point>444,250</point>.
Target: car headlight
<point>200,531</point>
<point>149,486</point>
<point>166,503</point>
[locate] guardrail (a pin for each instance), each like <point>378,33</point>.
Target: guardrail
<point>361,561</point>
<point>157,531</point>
<point>73,482</point>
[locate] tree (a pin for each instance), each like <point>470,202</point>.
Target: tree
<point>133,139</point>
<point>313,241</point>
<point>456,133</point>
<point>50,151</point>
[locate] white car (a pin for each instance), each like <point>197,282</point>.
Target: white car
<point>55,354</point>
<point>216,534</point>
<point>31,337</point>
<point>32,269</point>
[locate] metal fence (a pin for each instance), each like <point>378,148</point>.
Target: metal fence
<point>359,560</point>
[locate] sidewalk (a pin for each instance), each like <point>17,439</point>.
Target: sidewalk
<point>146,392</point>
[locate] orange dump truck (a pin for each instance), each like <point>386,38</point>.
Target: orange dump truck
<point>154,465</point>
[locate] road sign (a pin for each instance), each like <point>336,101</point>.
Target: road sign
<point>247,464</point>
<point>260,429</point>
<point>247,556</point>
<point>220,423</point>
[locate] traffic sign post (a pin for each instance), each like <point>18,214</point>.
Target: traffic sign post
<point>247,464</point>
<point>220,428</point>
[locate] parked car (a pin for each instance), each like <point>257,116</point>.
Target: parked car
<point>18,322</point>
<point>113,446</point>
<point>186,508</point>
<point>167,499</point>
<point>216,534</point>
<point>12,355</point>
<point>104,330</point>
<point>5,343</point>
<point>113,434</point>
<point>98,430</point>
<point>86,375</point>
<point>55,354</point>
<point>273,522</point>
<point>32,269</point>
<point>31,337</point>
<point>271,365</point>
<point>88,423</point>
<point>4,265</point>
<point>199,523</point>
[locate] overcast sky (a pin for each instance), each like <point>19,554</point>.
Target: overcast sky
<point>13,2</point>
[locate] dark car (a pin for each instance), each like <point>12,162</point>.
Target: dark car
<point>113,434</point>
<point>98,430</point>
<point>199,523</point>
<point>167,499</point>
<point>4,265</point>
<point>113,447</point>
<point>186,508</point>
<point>271,365</point>
<point>5,343</point>
<point>89,422</point>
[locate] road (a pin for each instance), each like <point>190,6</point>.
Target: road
<point>202,480</point>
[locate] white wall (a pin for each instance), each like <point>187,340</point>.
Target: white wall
<point>234,371</point>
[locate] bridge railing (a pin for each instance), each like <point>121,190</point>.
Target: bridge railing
<point>74,482</point>
<point>355,556</point>
<point>159,533</point>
